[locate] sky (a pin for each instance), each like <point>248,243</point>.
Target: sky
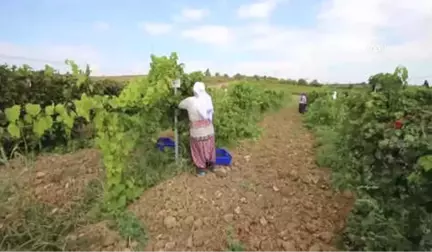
<point>327,40</point>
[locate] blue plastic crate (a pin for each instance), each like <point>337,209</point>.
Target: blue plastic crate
<point>163,142</point>
<point>223,157</point>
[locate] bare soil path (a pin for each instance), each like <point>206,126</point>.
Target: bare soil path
<point>274,197</point>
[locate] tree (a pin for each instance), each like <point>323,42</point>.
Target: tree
<point>315,83</point>
<point>291,82</point>
<point>197,76</point>
<point>207,73</point>
<point>426,84</point>
<point>217,74</point>
<point>389,81</point>
<point>302,82</point>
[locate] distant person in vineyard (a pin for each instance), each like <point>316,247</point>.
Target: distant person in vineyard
<point>302,103</point>
<point>334,96</point>
<point>202,140</point>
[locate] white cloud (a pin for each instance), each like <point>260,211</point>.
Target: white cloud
<point>156,28</point>
<point>210,34</point>
<point>342,46</point>
<point>197,65</point>
<point>38,56</point>
<point>131,68</point>
<point>259,9</point>
<point>55,55</point>
<point>351,40</point>
<point>101,26</point>
<point>191,14</point>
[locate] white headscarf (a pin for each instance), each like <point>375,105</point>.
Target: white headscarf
<point>204,101</point>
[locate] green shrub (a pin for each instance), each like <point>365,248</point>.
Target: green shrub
<point>22,85</point>
<point>388,168</point>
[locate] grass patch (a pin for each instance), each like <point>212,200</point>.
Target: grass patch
<point>130,228</point>
<point>27,224</point>
<point>155,166</point>
<point>233,243</point>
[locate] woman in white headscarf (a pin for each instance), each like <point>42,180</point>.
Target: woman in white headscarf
<point>202,140</point>
<point>302,103</point>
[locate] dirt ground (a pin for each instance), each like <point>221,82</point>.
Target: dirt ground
<point>273,197</point>
<point>57,180</point>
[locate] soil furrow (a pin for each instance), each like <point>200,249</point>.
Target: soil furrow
<point>274,197</point>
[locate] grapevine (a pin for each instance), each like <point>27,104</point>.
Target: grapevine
<point>143,108</point>
<point>378,143</point>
